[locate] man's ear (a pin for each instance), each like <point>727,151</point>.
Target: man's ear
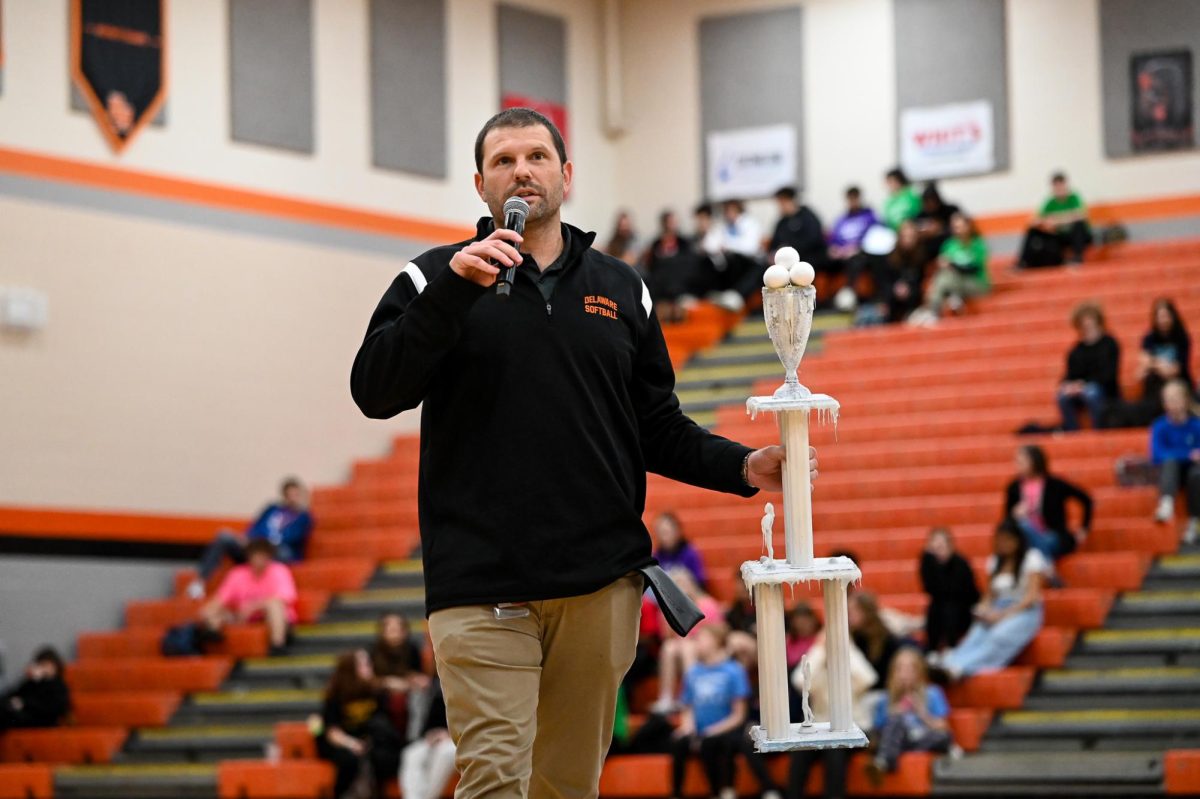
<point>479,185</point>
<point>568,174</point>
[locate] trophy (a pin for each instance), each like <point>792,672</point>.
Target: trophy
<point>788,303</point>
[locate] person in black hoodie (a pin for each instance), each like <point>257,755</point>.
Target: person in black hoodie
<point>1037,501</point>
<point>542,412</point>
<point>948,580</point>
<point>1166,355</point>
<point>1092,370</point>
<point>42,698</point>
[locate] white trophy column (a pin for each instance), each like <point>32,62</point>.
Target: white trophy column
<point>797,489</point>
<point>837,662</point>
<point>772,661</point>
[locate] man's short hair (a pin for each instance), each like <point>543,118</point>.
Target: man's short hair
<point>260,545</point>
<point>1058,177</point>
<point>853,191</point>
<point>290,483</point>
<point>897,174</point>
<point>704,208</point>
<point>49,654</point>
<point>787,193</point>
<point>518,118</point>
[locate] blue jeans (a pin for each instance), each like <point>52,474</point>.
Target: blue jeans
<point>1044,541</point>
<point>994,646</point>
<point>1093,398</point>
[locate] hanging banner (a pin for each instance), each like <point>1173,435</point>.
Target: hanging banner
<point>947,140</point>
<point>555,112</point>
<point>1161,97</point>
<point>751,162</point>
<point>118,63</point>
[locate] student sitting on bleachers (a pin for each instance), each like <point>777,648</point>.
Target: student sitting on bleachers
<point>354,725</point>
<point>716,691</point>
<point>1166,355</point>
<point>427,763</point>
<point>674,551</point>
<point>285,524</point>
<point>1175,449</point>
<point>1061,225</point>
<point>42,698</point>
<point>260,590</point>
<point>933,223</point>
<point>902,202</point>
<point>1093,365</point>
<point>396,661</point>
<point>1010,614</point>
<point>677,655</point>
<point>871,635</point>
<point>672,268</point>
<point>962,271</point>
<point>947,578</point>
<point>1037,501</point>
<point>911,717</point>
<point>836,761</point>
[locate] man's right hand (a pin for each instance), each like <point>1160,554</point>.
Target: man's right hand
<point>473,262</point>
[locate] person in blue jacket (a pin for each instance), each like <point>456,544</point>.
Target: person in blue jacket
<point>286,524</point>
<point>1175,449</point>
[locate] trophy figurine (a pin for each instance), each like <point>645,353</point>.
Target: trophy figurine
<point>788,302</point>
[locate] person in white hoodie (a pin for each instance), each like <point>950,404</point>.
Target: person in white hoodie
<point>836,761</point>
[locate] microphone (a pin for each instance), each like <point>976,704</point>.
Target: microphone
<point>515,211</point>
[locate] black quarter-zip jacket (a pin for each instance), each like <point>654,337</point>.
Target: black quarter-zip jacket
<point>541,418</point>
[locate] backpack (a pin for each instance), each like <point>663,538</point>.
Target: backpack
<point>181,640</point>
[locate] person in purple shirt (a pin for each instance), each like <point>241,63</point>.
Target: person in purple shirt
<point>673,550</point>
<point>1175,449</point>
<point>286,524</point>
<point>845,239</point>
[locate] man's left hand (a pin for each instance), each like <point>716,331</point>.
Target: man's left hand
<point>765,468</point>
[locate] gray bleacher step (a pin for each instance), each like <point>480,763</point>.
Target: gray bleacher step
<point>398,574</point>
<point>1019,745</point>
<point>1104,660</point>
<point>1180,566</point>
<point>1158,603</point>
<point>1128,680</point>
<point>201,742</point>
<point>1166,640</point>
<point>1162,700</point>
<point>1097,723</point>
<point>1013,770</point>
<point>136,781</point>
<point>1149,621</point>
<point>371,602</point>
<point>291,669</point>
<point>248,705</point>
<point>738,357</point>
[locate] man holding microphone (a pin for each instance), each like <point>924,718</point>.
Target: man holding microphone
<point>543,411</point>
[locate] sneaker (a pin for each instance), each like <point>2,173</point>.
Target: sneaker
<point>195,589</point>
<point>727,793</point>
<point>772,794</point>
<point>954,304</point>
<point>731,301</point>
<point>1192,534</point>
<point>1166,510</point>
<point>845,300</point>
<point>876,769</point>
<point>664,706</point>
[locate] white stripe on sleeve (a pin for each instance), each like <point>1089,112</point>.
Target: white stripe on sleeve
<point>416,276</point>
<point>647,303</point>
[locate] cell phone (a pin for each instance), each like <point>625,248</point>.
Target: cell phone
<point>510,610</point>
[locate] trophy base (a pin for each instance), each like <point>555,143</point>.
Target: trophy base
<point>818,735</point>
<point>779,572</point>
<point>776,404</point>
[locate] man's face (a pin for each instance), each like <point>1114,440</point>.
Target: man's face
<point>1059,187</point>
<point>853,201</point>
<point>295,496</point>
<point>524,162</point>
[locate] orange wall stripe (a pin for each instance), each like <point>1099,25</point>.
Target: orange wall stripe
<point>112,526</point>
<point>1103,213</point>
<point>214,195</point>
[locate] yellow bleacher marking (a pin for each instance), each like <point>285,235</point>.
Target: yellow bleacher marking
<point>1180,561</point>
<point>289,660</point>
<point>402,566</point>
<point>138,770</point>
<point>1159,596</point>
<point>207,731</point>
<point>383,595</point>
<point>1116,674</point>
<point>1050,716</point>
<point>265,695</point>
<point>1143,635</point>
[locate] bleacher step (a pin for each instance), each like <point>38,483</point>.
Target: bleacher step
<point>1012,771</point>
<point>202,743</point>
<point>1169,640</point>
<point>1104,723</point>
<point>1186,698</point>
<point>1158,603</point>
<point>1129,680</point>
<point>136,781</point>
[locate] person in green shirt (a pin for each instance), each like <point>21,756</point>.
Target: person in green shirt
<point>903,202</point>
<point>961,270</point>
<point>1061,226</point>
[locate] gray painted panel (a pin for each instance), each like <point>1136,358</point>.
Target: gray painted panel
<point>533,54</point>
<point>953,51</point>
<point>51,600</point>
<point>1133,27</point>
<point>408,86</point>
<point>750,75</point>
<point>271,73</point>
<point>170,211</point>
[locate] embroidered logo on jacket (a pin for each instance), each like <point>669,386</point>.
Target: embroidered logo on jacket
<point>602,306</point>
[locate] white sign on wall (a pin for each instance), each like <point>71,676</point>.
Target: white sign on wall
<point>751,162</point>
<point>947,140</point>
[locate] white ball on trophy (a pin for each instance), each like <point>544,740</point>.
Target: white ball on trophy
<point>802,274</point>
<point>776,277</point>
<point>786,257</point>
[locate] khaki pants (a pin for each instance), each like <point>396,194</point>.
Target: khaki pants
<point>530,701</point>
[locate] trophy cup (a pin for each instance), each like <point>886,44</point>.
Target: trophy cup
<point>788,303</point>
